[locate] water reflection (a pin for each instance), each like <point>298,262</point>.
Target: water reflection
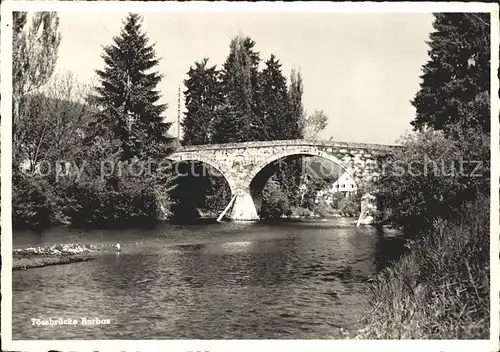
<point>264,280</point>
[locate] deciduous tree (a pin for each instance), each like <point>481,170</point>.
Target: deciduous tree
<point>34,56</point>
<point>433,177</point>
<point>314,124</point>
<point>57,116</point>
<point>296,116</point>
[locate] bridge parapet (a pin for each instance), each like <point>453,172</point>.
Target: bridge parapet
<point>291,142</point>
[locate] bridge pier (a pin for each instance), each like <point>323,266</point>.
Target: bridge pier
<point>244,207</point>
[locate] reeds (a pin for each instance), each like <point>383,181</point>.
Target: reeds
<point>440,289</point>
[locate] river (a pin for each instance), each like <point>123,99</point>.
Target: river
<point>284,280</point>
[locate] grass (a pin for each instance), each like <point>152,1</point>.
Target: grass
<point>38,257</point>
<point>440,289</point>
<point>41,261</point>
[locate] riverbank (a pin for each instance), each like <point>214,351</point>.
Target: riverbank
<point>39,262</point>
<point>440,289</point>
<point>37,257</point>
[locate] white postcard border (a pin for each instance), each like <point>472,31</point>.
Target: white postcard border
<point>239,345</point>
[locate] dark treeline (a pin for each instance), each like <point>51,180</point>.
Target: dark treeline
<point>240,103</point>
<point>87,156</point>
<point>91,155</point>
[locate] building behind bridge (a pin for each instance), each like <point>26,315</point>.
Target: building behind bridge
<point>344,184</point>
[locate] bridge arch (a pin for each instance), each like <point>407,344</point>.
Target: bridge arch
<point>302,151</point>
<point>200,159</point>
<point>246,165</point>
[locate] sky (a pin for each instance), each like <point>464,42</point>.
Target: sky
<point>361,69</point>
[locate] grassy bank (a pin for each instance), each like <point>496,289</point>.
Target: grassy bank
<point>440,289</point>
<point>37,257</point>
<point>41,261</point>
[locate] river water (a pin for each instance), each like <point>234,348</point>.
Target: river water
<point>286,280</point>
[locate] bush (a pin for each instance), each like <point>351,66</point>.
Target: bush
<point>337,197</point>
<point>274,201</point>
<point>432,177</point>
<point>314,185</point>
<point>115,201</point>
<point>301,212</point>
<point>35,203</point>
<point>350,205</point>
<point>323,209</point>
<point>441,288</point>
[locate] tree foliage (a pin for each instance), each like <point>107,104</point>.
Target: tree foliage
<point>436,187</point>
<point>34,56</point>
<point>275,202</point>
<point>238,120</point>
<point>297,113</point>
<point>313,186</point>
<point>314,124</point>
<point>241,103</point>
<point>127,96</point>
<point>275,107</point>
<point>289,173</point>
<point>432,177</point>
<point>452,123</point>
<point>128,135</point>
<point>116,146</point>
<point>456,80</point>
<point>203,96</point>
<point>57,116</point>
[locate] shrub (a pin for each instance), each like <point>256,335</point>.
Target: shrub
<point>120,199</point>
<point>350,205</point>
<point>337,197</point>
<point>301,212</point>
<point>314,185</point>
<point>323,209</point>
<point>274,201</point>
<point>441,288</point>
<point>432,177</point>
<point>35,203</point>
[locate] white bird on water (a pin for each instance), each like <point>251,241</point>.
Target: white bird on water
<point>118,248</point>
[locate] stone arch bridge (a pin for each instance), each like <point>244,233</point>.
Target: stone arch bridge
<point>247,166</point>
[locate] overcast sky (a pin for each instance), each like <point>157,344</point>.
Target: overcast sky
<point>361,69</point>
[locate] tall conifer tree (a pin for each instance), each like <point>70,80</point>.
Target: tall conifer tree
<point>128,98</point>
<point>127,127</point>
<point>275,108</point>
<point>203,102</point>
<point>238,118</point>
<point>456,81</point>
